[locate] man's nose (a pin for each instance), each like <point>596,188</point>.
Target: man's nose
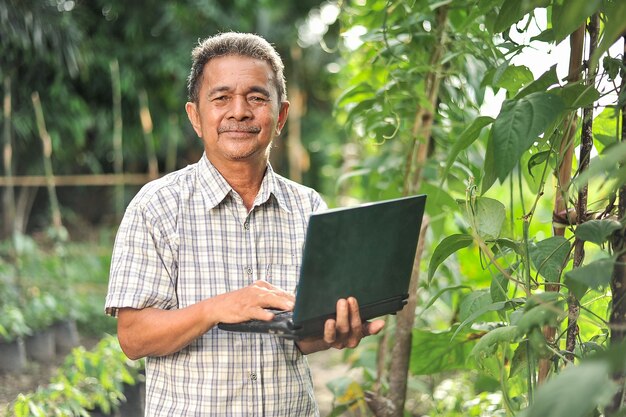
<point>240,108</point>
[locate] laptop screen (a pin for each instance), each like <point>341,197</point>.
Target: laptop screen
<point>365,251</point>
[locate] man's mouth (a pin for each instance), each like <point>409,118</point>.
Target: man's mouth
<point>238,129</point>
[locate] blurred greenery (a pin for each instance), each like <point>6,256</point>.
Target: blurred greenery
<point>373,74</point>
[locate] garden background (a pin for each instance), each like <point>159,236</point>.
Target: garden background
<point>508,114</point>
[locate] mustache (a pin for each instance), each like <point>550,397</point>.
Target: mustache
<point>238,128</point>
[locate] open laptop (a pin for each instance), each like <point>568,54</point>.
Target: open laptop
<point>366,252</point>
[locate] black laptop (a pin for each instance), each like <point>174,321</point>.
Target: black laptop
<point>366,252</point>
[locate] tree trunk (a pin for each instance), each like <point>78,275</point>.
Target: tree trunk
<point>393,404</point>
<point>617,320</point>
<point>561,215</point>
<point>586,144</point>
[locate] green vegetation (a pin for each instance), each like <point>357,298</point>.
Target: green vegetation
<point>88,380</point>
<point>519,306</point>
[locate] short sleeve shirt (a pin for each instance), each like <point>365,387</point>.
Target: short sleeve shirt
<point>187,237</point>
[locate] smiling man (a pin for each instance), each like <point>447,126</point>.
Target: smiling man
<point>220,241</point>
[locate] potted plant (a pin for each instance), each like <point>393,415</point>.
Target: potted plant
<point>40,310</point>
<point>12,329</point>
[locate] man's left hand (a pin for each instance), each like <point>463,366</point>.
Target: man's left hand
<point>345,331</point>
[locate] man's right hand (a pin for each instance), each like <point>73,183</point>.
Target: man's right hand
<point>156,332</point>
<point>252,302</point>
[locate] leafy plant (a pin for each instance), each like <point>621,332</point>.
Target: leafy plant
<point>524,277</point>
<point>87,380</point>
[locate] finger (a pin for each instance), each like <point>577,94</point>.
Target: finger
<point>343,322</point>
<point>373,328</point>
<point>330,333</point>
<point>355,314</point>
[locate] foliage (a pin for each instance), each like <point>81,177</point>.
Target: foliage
<point>44,283</point>
<point>490,187</point>
<point>67,51</point>
<point>87,380</point>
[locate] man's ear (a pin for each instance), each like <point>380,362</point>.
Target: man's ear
<point>282,116</point>
<point>194,117</point>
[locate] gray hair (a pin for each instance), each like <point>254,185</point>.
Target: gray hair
<point>233,43</point>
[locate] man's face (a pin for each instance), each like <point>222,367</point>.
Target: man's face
<point>238,111</point>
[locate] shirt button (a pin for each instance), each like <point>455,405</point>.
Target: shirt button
<point>253,376</point>
<point>249,270</point>
<point>246,225</point>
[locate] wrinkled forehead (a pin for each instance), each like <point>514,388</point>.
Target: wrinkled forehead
<point>237,72</point>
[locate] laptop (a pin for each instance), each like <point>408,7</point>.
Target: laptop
<point>366,252</point>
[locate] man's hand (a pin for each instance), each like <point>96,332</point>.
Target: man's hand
<point>346,330</point>
<point>157,332</point>
<point>251,302</point>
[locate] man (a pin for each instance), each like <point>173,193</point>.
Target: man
<point>221,241</point>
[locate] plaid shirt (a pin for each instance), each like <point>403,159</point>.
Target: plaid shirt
<point>187,237</point>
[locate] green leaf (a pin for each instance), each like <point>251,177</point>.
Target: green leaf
<point>604,165</point>
<point>468,136</point>
<point>499,288</point>
<point>549,313</point>
<point>441,292</point>
<point>447,247</point>
<point>518,126</point>
<point>488,344</point>
<point>585,387</point>
<point>614,27</point>
<point>488,217</point>
<point>520,359</point>
<point>507,243</point>
<point>546,80</point>
<point>474,301</point>
<point>437,352</point>
<point>577,95</point>
<point>438,199</point>
<point>512,11</point>
<point>567,17</point>
<point>549,256</point>
<point>537,159</point>
<point>489,168</point>
<point>604,128</point>
<point>596,275</point>
<point>597,231</point>
<point>498,306</point>
<point>513,78</point>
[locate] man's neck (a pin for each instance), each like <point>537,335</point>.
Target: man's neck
<point>244,177</point>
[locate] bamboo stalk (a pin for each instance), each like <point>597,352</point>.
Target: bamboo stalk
<point>46,142</point>
<point>118,154</point>
<point>8,197</point>
<point>147,127</point>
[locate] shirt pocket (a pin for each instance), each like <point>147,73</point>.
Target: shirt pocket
<point>284,276</point>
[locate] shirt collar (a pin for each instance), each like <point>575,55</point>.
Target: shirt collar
<point>217,188</point>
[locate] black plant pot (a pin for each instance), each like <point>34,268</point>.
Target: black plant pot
<point>40,346</point>
<point>12,355</point>
<point>65,336</point>
<point>135,400</point>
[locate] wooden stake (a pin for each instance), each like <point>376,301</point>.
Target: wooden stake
<point>8,197</point>
<point>118,154</point>
<point>47,164</point>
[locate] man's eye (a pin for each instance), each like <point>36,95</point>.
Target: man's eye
<point>220,98</point>
<point>257,99</point>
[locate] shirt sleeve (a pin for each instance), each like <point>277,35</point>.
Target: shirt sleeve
<point>143,266</point>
